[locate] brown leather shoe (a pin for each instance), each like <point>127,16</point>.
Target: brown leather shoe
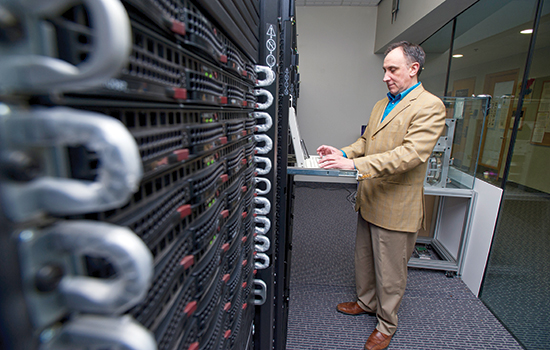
<point>377,341</point>
<point>350,308</point>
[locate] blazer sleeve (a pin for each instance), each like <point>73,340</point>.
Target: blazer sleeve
<point>424,130</point>
<point>356,149</point>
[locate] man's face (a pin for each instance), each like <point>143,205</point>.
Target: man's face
<point>398,74</point>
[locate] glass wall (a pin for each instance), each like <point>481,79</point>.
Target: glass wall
<point>490,51</point>
<point>489,55</point>
<point>517,281</point>
<point>437,49</point>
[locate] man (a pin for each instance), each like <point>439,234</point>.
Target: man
<point>390,158</point>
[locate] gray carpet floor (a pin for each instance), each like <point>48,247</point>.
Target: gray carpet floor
<point>517,283</point>
<point>437,313</point>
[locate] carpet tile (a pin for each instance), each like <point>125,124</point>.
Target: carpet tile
<point>437,313</point>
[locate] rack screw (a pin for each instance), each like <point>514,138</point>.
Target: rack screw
<point>18,166</point>
<point>48,277</point>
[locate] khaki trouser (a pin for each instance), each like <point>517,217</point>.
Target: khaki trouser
<point>381,258</point>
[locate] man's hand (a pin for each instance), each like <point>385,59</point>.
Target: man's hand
<point>325,150</point>
<point>333,158</point>
<point>336,161</point>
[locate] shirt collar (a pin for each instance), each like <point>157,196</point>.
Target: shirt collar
<point>399,97</point>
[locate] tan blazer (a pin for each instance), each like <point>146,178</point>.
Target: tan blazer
<point>391,160</point>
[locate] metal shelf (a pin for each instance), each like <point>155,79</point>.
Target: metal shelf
<point>321,172</point>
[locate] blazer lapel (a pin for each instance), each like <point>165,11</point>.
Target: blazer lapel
<point>401,106</point>
<point>378,114</point>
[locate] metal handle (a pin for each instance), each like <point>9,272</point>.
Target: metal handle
<point>267,186</point>
<point>260,292</point>
<point>269,75</point>
<point>269,98</point>
<point>267,167</point>
<point>266,140</point>
<point>262,245</point>
<point>129,256</point>
<point>266,125</point>
<point>261,261</point>
<point>264,221</point>
<point>262,202</point>
<point>98,332</point>
<point>33,71</point>
<point>119,172</point>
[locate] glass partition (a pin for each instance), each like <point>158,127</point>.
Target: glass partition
<point>489,55</point>
<point>491,50</point>
<point>437,49</point>
<point>517,278</point>
<point>453,163</point>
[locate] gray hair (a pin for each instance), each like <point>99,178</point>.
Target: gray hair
<point>413,53</point>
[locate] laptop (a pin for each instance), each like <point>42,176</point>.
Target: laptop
<point>303,159</point>
<point>307,164</point>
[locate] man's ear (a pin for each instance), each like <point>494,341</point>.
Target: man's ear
<point>413,69</point>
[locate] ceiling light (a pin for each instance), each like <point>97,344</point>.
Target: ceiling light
<point>458,55</point>
<point>527,31</point>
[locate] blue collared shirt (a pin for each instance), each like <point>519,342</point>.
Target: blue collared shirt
<point>394,100</point>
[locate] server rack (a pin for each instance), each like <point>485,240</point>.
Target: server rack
<point>142,189</point>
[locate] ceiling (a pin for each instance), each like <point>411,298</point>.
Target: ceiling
<point>490,32</point>
<point>337,2</point>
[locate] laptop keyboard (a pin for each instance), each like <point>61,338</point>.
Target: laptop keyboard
<point>312,162</point>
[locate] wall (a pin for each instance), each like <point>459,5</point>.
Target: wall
<point>340,73</point>
<point>341,77</point>
<point>416,19</point>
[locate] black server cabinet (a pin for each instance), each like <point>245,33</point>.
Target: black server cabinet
<point>143,186</point>
<point>278,49</point>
